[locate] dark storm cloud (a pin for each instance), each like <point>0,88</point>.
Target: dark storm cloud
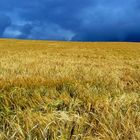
<point>82,20</point>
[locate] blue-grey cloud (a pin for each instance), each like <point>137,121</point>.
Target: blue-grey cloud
<point>4,23</point>
<point>25,31</point>
<point>82,20</point>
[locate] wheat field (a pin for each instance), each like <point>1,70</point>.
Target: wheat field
<point>69,90</point>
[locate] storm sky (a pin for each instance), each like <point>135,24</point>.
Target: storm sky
<point>76,20</point>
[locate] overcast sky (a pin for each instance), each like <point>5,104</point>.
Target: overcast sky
<point>77,20</point>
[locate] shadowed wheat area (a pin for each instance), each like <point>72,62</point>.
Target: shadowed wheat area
<point>69,91</point>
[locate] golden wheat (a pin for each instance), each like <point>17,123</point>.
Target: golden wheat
<point>69,91</point>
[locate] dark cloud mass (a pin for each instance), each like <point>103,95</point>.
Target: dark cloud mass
<point>77,20</point>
